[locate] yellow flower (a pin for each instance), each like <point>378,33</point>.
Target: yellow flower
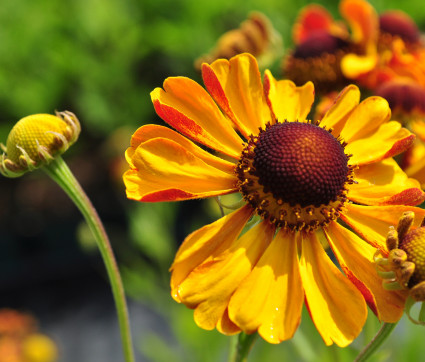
<point>301,178</point>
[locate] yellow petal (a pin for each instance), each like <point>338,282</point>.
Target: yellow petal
<point>372,222</point>
<point>387,141</point>
<point>384,183</point>
<point>209,286</point>
<point>418,128</point>
<point>343,106</point>
<point>364,24</point>
<point>166,171</point>
<point>414,154</point>
<point>187,107</point>
<point>417,171</point>
<point>355,257</point>
<point>270,299</point>
<point>414,161</point>
<point>207,242</point>
<point>286,100</point>
<point>337,308</point>
<point>236,87</point>
<point>366,119</point>
<point>353,65</point>
<point>150,131</point>
<point>226,326</point>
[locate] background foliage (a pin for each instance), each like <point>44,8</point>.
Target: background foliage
<point>101,59</point>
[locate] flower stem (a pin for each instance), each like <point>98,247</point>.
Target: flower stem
<point>245,343</point>
<point>62,175</point>
<point>376,342</point>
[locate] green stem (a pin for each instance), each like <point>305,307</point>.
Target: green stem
<point>245,343</point>
<point>303,346</point>
<point>62,175</point>
<point>376,342</point>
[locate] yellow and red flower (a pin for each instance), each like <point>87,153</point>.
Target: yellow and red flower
<point>378,48</point>
<point>301,179</point>
<point>393,67</point>
<point>384,53</point>
<point>392,46</point>
<point>320,44</point>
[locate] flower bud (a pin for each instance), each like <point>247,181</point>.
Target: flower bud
<point>404,266</point>
<point>405,263</point>
<point>36,140</point>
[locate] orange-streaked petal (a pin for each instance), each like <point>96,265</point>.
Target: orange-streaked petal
<point>270,299</point>
<point>150,131</point>
<point>206,243</point>
<point>372,222</point>
<point>355,257</point>
<point>286,100</point>
<point>364,24</point>
<point>187,107</point>
<point>366,119</point>
<point>363,21</point>
<point>384,183</point>
<point>236,86</point>
<point>347,100</point>
<point>337,308</point>
<point>166,171</point>
<point>210,285</point>
<point>387,141</point>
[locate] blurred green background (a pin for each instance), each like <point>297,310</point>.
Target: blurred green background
<point>101,59</point>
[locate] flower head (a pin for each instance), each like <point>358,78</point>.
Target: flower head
<point>320,44</point>
<point>396,23</point>
<point>391,46</point>
<point>35,140</point>
<point>393,68</point>
<point>298,179</point>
